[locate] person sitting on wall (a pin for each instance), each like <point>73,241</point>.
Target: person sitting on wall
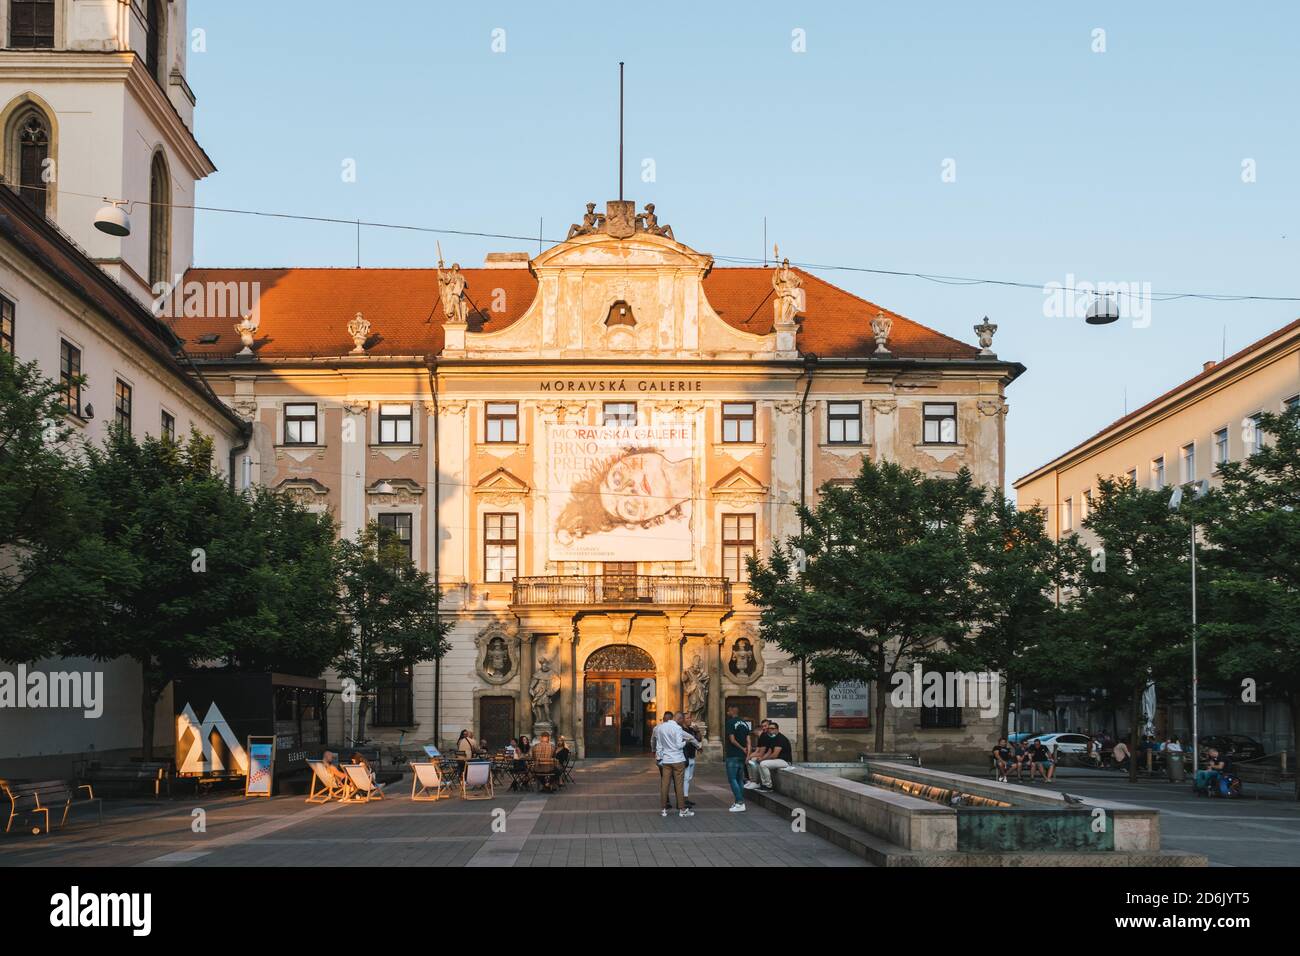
<point>757,754</point>
<point>1119,756</point>
<point>1040,761</point>
<point>1004,759</point>
<point>779,754</point>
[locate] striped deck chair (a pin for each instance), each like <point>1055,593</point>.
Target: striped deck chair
<point>478,778</point>
<point>428,783</point>
<point>324,785</point>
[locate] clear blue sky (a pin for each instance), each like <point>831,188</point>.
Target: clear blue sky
<point>1116,166</point>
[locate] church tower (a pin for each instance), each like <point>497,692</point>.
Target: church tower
<point>94,104</point>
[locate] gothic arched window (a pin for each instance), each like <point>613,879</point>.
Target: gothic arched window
<point>31,142</point>
<point>160,221</point>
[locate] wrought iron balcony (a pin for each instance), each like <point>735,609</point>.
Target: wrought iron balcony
<point>621,589</point>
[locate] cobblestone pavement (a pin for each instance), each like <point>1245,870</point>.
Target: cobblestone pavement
<point>609,817</point>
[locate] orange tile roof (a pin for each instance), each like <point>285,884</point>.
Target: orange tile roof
<point>305,311</point>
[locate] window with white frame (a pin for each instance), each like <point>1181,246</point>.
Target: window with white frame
<point>1067,514</point>
<point>500,547</point>
<point>300,424</point>
<point>1187,459</point>
<point>737,422</point>
<point>1220,446</point>
<point>6,326</point>
<point>395,424</point>
<point>1133,477</point>
<point>397,526</point>
<point>1254,435</point>
<point>939,423</point>
<point>501,425</point>
<point>1085,505</point>
<point>168,422</point>
<point>619,414</point>
<point>737,546</point>
<point>844,423</point>
<point>122,405</point>
<point>1158,472</point>
<point>70,375</point>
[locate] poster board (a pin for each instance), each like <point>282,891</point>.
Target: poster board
<point>261,767</point>
<point>620,492</point>
<point>848,705</point>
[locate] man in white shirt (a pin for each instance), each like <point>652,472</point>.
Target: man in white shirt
<point>670,742</point>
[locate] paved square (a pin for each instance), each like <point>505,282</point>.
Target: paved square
<point>609,817</point>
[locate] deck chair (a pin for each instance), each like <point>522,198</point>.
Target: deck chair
<point>478,778</point>
<point>363,788</point>
<point>428,783</point>
<point>324,785</point>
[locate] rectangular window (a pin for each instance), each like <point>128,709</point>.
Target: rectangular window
<point>502,425</point>
<point>300,424</point>
<point>1220,446</point>
<point>1254,436</point>
<point>1158,472</point>
<point>6,326</point>
<point>122,405</point>
<point>941,717</point>
<point>1067,514</point>
<point>737,422</point>
<point>69,373</point>
<point>844,423</point>
<point>619,414</point>
<point>940,423</point>
<point>1085,505</point>
<point>500,547</point>
<point>31,24</point>
<point>1287,404</point>
<point>1133,477</point>
<point>737,545</point>
<point>168,425</point>
<point>399,525</point>
<point>1187,458</point>
<point>393,703</point>
<point>394,424</point>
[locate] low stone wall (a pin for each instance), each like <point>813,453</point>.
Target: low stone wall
<point>907,822</point>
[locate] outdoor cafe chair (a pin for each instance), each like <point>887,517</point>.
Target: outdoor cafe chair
<point>324,786</point>
<point>566,769</point>
<point>428,782</point>
<point>546,772</point>
<point>364,789</point>
<point>478,780</point>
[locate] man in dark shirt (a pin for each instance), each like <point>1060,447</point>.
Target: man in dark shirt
<point>735,738</point>
<point>777,747</point>
<point>1040,759</point>
<point>1004,759</point>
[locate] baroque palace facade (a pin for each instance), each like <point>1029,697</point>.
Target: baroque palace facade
<point>582,448</point>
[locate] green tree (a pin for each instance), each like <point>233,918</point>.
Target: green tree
<point>1252,524</point>
<point>1016,572</point>
<point>392,611</point>
<point>42,517</point>
<point>1131,616</point>
<point>885,577</point>
<point>175,529</point>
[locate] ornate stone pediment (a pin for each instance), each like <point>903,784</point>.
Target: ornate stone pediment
<point>738,486</point>
<point>405,492</point>
<point>308,492</point>
<point>500,487</point>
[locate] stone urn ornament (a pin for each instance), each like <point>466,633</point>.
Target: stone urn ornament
<point>247,329</point>
<point>359,329</point>
<point>881,326</point>
<point>985,332</point>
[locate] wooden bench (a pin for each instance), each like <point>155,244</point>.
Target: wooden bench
<point>155,774</point>
<point>40,797</point>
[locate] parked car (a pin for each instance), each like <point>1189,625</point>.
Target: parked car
<point>1023,737</point>
<point>1239,746</point>
<point>1065,743</point>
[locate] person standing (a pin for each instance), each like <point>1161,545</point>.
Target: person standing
<point>735,750</point>
<point>691,750</point>
<point>670,745</point>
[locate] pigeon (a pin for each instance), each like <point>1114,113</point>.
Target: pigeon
<point>1072,800</point>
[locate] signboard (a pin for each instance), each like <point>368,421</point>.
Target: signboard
<point>261,767</point>
<point>848,705</point>
<point>433,752</point>
<point>620,492</point>
<point>782,709</point>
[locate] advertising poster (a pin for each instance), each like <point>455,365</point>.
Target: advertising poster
<point>848,705</point>
<point>620,492</point>
<point>261,766</point>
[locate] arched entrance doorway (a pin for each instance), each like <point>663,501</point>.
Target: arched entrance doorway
<point>618,701</point>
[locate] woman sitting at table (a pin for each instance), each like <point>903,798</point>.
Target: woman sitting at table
<point>518,761</point>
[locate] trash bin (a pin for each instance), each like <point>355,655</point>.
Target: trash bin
<point>1174,766</point>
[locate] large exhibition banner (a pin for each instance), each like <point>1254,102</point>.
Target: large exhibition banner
<point>620,492</point>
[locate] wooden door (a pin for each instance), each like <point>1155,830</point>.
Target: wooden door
<point>600,716</point>
<point>496,721</point>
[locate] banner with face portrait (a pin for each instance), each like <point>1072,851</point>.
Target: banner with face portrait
<point>620,492</point>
